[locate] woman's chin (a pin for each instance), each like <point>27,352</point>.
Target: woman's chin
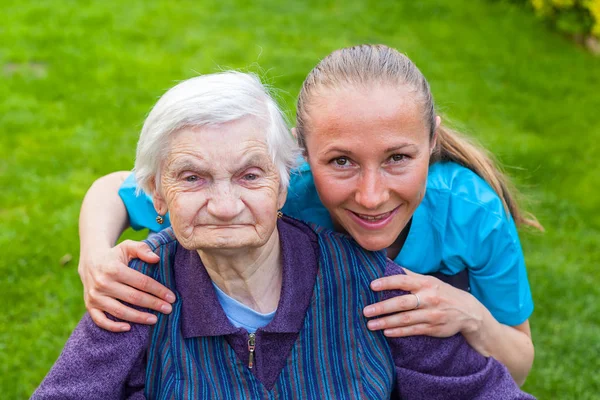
<point>373,244</point>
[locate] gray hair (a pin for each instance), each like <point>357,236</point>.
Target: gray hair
<point>212,100</point>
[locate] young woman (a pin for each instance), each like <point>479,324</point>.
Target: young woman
<point>380,167</point>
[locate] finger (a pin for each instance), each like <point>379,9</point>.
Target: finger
<point>140,299</point>
<point>399,320</point>
<point>126,313</point>
<point>144,283</point>
<point>396,304</point>
<point>139,250</point>
<point>103,322</point>
<point>413,330</point>
<point>407,283</point>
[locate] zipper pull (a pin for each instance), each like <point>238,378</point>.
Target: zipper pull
<point>251,347</point>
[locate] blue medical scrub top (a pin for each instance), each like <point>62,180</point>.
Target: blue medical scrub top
<point>461,223</point>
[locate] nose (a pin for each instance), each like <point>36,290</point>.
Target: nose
<point>372,190</point>
<point>225,203</point>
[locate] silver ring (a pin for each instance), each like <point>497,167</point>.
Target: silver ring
<point>418,300</point>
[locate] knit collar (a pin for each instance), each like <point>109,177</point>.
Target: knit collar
<point>202,314</point>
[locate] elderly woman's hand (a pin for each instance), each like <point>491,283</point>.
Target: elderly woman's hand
<point>442,309</point>
<point>107,278</point>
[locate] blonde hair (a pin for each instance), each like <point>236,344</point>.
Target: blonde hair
<point>366,65</point>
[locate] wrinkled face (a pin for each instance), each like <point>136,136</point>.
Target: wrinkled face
<point>369,151</point>
<point>220,186</point>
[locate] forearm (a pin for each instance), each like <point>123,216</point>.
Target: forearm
<point>512,346</point>
<point>103,216</point>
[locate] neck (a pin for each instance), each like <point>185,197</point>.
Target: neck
<point>394,249</point>
<point>251,276</point>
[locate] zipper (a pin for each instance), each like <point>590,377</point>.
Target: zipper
<point>251,347</point>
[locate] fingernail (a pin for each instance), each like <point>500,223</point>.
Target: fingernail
<point>170,298</point>
<point>165,309</point>
<point>373,324</point>
<point>151,320</point>
<point>376,284</point>
<point>124,328</point>
<point>369,311</point>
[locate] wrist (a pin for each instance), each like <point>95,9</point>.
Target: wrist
<point>476,328</point>
<point>91,252</point>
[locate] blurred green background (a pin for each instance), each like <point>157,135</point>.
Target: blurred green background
<point>77,79</point>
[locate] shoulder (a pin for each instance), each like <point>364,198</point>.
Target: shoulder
<point>301,181</point>
<point>461,203</point>
<point>140,208</point>
<point>97,364</point>
<point>164,238</point>
<point>464,210</point>
<point>162,243</point>
<point>463,189</point>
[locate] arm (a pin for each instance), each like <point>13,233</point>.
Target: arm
<point>103,216</point>
<point>494,316</point>
<point>448,368</point>
<point>445,311</point>
<point>97,364</point>
<point>430,368</point>
<point>103,268</point>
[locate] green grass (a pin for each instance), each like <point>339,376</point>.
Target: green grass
<point>77,78</point>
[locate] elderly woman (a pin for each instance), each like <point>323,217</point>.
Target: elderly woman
<point>267,307</point>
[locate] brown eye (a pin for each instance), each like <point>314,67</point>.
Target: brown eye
<point>341,161</point>
<point>397,157</point>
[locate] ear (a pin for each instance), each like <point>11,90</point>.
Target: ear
<point>160,204</point>
<point>281,198</point>
<point>433,141</point>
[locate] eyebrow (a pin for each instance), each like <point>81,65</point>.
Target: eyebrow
<point>399,147</point>
<point>199,165</point>
<point>391,149</point>
<point>259,160</point>
<point>185,165</point>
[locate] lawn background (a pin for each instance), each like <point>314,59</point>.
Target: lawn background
<point>77,79</point>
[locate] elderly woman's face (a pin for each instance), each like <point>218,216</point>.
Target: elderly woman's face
<point>220,186</point>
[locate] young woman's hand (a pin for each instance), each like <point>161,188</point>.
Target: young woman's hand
<point>443,311</point>
<point>434,308</point>
<point>107,279</point>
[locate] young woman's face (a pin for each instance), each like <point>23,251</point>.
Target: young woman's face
<point>369,150</point>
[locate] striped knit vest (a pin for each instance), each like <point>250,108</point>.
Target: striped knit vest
<point>334,357</point>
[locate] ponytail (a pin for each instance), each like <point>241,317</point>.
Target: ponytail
<point>452,146</point>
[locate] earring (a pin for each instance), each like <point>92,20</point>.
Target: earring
<point>279,214</point>
<point>160,219</point>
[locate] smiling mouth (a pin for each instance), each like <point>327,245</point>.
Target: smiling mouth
<point>374,222</point>
<point>377,217</point>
